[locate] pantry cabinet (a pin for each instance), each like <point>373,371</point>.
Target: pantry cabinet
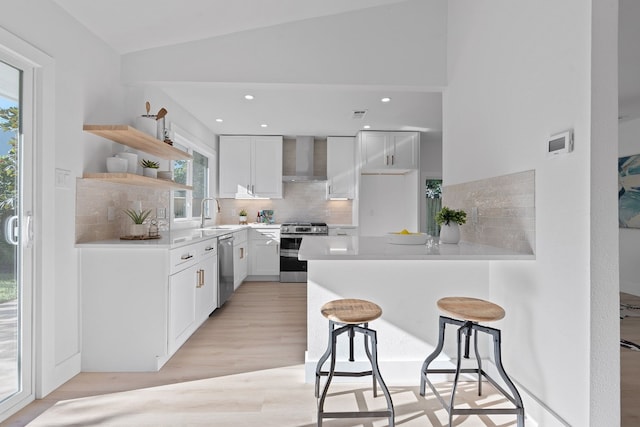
<point>389,151</point>
<point>341,167</point>
<point>250,167</point>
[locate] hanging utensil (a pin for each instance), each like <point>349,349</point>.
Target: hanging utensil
<point>161,113</point>
<point>148,106</point>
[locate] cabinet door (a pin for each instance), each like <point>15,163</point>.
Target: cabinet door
<point>265,258</point>
<point>373,150</point>
<point>403,150</point>
<point>207,287</point>
<point>235,166</point>
<point>267,166</point>
<point>341,167</point>
<point>182,306</point>
<point>239,264</point>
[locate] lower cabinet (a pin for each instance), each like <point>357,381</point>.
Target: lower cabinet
<point>240,257</point>
<point>140,304</point>
<point>264,248</point>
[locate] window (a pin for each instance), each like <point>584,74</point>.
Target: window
<point>196,173</point>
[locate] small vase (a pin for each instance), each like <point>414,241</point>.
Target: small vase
<point>242,219</point>
<point>137,229</point>
<point>450,233</point>
<point>150,172</point>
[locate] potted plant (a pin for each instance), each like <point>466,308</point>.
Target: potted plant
<point>149,168</point>
<point>138,217</point>
<point>242,216</point>
<point>449,221</point>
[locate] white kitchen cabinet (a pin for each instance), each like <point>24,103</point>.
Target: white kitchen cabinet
<point>250,166</point>
<point>264,249</point>
<point>182,306</point>
<point>141,303</point>
<point>341,166</point>
<point>389,151</point>
<point>207,280</point>
<point>240,257</point>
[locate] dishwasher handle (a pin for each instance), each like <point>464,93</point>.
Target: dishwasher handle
<point>226,239</point>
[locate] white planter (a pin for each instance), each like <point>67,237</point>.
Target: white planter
<point>450,234</point>
<point>138,229</point>
<point>150,172</point>
<point>242,219</point>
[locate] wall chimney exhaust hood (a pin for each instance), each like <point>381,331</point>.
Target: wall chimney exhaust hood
<point>304,162</point>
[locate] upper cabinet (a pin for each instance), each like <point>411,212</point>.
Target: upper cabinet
<point>389,151</point>
<point>340,167</point>
<point>250,167</point>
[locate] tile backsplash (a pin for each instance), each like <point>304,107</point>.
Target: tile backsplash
<point>506,210</point>
<point>94,200</point>
<point>304,201</point>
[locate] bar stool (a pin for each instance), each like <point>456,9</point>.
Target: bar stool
<point>468,312</point>
<point>351,316</point>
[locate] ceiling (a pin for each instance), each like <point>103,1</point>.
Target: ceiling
<point>290,109</point>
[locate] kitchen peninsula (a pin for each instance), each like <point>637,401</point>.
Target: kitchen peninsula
<point>406,281</point>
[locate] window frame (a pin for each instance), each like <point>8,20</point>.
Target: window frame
<point>184,140</point>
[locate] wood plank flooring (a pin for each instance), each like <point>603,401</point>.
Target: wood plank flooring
<point>630,364</point>
<point>244,367</point>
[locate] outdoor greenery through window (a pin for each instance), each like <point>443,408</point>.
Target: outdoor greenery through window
<point>433,193</point>
<point>195,173</point>
<point>9,125</point>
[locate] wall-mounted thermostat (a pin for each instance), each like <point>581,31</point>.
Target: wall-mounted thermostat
<point>561,143</point>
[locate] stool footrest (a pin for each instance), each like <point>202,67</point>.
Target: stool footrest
<point>346,374</point>
<point>362,414</point>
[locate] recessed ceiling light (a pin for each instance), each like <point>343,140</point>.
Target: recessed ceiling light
<point>264,125</point>
<point>219,120</point>
<point>366,127</point>
<point>248,97</point>
<point>386,99</point>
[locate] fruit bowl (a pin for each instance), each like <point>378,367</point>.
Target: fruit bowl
<point>404,237</point>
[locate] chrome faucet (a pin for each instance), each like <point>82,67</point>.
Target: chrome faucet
<point>202,218</point>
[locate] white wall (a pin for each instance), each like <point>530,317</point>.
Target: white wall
<point>85,76</point>
<point>355,48</point>
<point>629,144</point>
<point>518,73</point>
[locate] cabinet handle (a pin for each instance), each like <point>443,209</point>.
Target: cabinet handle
<point>392,160</point>
<point>187,256</point>
<point>249,188</point>
<point>241,253</point>
<point>386,160</point>
<point>208,248</point>
<point>202,278</point>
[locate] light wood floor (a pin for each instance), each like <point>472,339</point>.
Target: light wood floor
<point>244,367</point>
<point>630,364</point>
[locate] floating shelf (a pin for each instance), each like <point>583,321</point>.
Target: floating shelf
<point>138,140</point>
<point>133,179</point>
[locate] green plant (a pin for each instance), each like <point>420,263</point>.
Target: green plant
<point>137,217</point>
<point>446,215</point>
<point>243,213</point>
<point>146,163</point>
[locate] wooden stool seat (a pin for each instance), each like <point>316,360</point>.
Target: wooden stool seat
<point>351,311</point>
<point>474,309</point>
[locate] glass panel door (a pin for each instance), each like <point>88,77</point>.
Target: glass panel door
<point>15,241</point>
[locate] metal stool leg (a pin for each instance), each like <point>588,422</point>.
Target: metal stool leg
<point>333,337</point>
<point>479,360</point>
<point>376,372</point>
<point>366,349</point>
<point>323,359</point>
<point>432,356</point>
<point>514,391</point>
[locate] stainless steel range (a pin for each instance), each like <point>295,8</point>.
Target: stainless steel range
<point>291,235</point>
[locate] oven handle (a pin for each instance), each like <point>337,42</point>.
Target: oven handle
<point>288,253</point>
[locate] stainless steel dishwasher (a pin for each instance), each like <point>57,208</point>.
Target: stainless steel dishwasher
<point>225,268</point>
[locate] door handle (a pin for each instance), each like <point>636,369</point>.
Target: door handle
<point>11,230</point>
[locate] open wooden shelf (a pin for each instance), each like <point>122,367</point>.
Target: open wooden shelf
<point>133,179</point>
<point>138,140</point>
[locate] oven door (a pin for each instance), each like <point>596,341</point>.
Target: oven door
<point>291,268</point>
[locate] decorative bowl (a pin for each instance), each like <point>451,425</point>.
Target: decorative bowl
<point>168,175</point>
<point>398,238</point>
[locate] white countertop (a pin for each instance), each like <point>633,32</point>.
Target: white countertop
<point>378,248</point>
<point>175,238</point>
